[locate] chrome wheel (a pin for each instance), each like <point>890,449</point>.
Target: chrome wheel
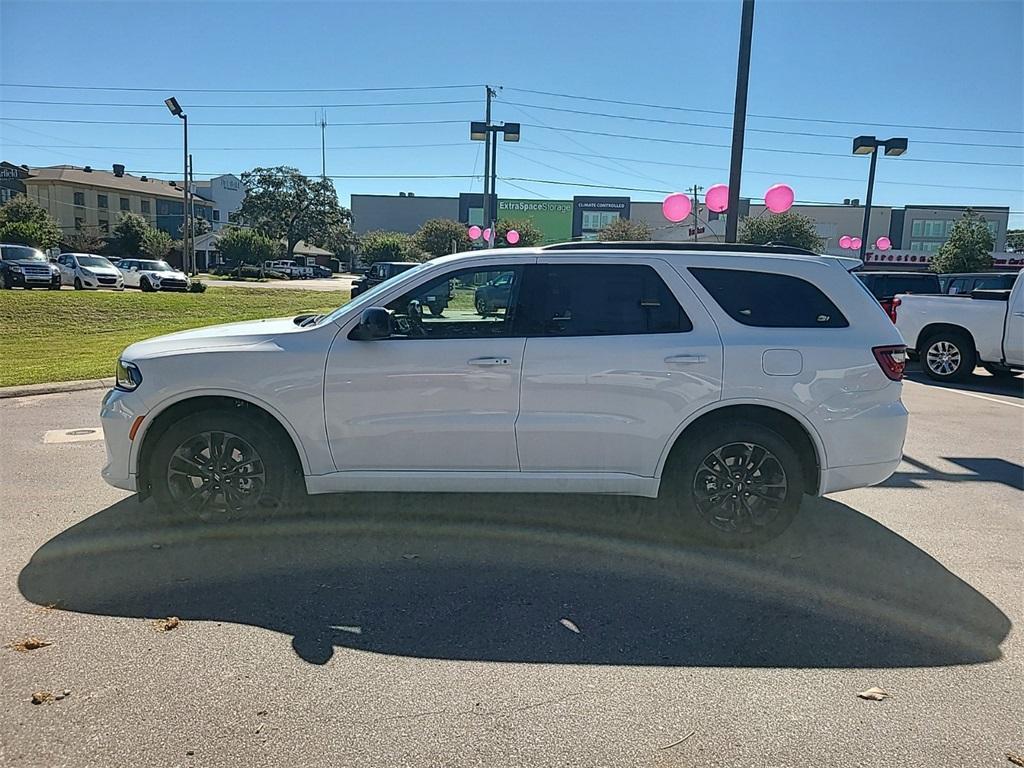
<point>943,358</point>
<point>740,487</point>
<point>216,472</point>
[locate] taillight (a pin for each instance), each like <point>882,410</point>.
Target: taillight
<point>893,307</point>
<point>892,360</point>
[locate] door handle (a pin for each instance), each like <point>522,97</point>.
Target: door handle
<point>489,361</point>
<point>687,359</point>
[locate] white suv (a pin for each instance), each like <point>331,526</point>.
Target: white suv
<point>726,380</point>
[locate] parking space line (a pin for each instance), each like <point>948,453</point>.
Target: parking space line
<point>968,394</point>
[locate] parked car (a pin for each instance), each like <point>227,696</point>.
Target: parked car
<point>87,270</point>
<point>885,285</point>
<point>494,294</point>
<point>153,275</point>
<point>321,271</point>
<point>965,282</point>
<point>290,268</point>
<point>21,265</point>
<point>953,334</point>
<point>379,272</point>
<point>727,381</point>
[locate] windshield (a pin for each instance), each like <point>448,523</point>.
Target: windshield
<point>155,266</point>
<point>93,261</point>
<point>366,299</point>
<point>21,253</point>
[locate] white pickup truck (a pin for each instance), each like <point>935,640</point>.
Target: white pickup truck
<point>290,268</point>
<point>953,334</point>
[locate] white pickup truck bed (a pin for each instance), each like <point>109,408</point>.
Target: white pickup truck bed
<point>952,334</point>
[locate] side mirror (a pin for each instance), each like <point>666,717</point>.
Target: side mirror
<point>375,323</point>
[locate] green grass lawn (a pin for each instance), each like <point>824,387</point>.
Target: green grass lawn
<point>66,335</point>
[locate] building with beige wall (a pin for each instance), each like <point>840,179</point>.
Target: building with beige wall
<point>86,198</point>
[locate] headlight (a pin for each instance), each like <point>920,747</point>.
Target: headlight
<point>86,272</point>
<point>128,376</point>
<point>15,268</point>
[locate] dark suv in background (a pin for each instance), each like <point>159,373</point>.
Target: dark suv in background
<point>378,273</point>
<point>27,267</point>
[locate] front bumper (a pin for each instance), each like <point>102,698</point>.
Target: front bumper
<point>117,416</point>
<point>94,283</point>
<point>20,280</point>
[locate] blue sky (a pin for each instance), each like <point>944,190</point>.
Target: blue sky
<point>936,65</point>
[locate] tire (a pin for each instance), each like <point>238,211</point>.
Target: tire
<point>436,309</point>
<point>78,285</point>
<point>54,287</point>
<point>998,371</point>
<point>146,286</point>
<point>4,285</point>
<point>756,504</point>
<point>948,356</point>
<point>267,483</point>
<point>482,307</point>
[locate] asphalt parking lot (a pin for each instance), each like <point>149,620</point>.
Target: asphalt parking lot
<point>430,630</point>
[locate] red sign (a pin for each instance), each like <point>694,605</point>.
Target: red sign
<point>1010,260</point>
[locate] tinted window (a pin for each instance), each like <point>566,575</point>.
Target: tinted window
<point>460,305</point>
<point>872,283</point>
<point>960,285</point>
<point>991,282</point>
<point>600,300</point>
<point>768,300</point>
<point>895,284</point>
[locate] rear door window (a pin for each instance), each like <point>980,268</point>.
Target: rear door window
<point>768,300</point>
<point>599,300</point>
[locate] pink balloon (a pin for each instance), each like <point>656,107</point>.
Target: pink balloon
<point>883,243</point>
<point>717,198</point>
<point>512,237</point>
<point>845,241</point>
<point>676,206</point>
<point>474,232</point>
<point>855,243</point>
<point>487,234</point>
<point>779,198</point>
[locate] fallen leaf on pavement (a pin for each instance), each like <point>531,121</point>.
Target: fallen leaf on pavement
<point>40,697</point>
<point>1015,757</point>
<point>569,625</point>
<point>679,741</point>
<point>166,625</point>
<point>409,556</point>
<point>873,694</point>
<point>29,644</point>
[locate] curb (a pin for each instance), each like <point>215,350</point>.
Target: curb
<point>25,390</point>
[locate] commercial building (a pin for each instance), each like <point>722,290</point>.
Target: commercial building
<point>84,197</point>
<point>225,192</point>
<point>917,230</point>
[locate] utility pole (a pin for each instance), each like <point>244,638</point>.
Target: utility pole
<point>186,252</point>
<point>490,137</point>
<point>739,121</point>
<point>323,143</point>
<point>492,222</point>
<point>696,220</point>
<point>189,181</point>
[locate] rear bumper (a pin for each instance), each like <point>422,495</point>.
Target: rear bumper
<point>837,479</point>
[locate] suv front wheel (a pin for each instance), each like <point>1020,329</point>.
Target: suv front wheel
<point>737,485</point>
<point>220,464</point>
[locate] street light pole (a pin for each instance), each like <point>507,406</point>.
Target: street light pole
<point>488,138</point>
<point>867,206</point>
<point>175,109</point>
<point>869,145</point>
<point>739,121</point>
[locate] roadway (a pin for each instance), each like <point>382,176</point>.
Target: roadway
<point>416,630</point>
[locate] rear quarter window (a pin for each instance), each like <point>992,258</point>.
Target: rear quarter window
<point>769,300</point>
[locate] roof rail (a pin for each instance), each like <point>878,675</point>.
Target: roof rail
<point>653,245</point>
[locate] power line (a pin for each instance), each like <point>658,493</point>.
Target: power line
<point>165,124</point>
<point>239,90</point>
<point>780,174</point>
<point>765,116</point>
<point>236,106</point>
<point>764,149</point>
<point>814,134</point>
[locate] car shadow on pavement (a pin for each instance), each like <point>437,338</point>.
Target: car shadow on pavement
<point>978,469</point>
<point>981,382</point>
<point>528,578</point>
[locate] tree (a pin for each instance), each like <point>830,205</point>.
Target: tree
<point>387,246</point>
<point>788,228</point>
<point>342,242</point>
<point>127,235</point>
<point>624,230</point>
<point>156,243</point>
<point>246,246</point>
<point>86,240</point>
<point>200,226</point>
<point>969,247</point>
<point>25,222</point>
<point>529,234</point>
<point>437,236</point>
<point>1015,240</point>
<point>285,205</point>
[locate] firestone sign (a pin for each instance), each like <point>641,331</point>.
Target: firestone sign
<point>923,260</point>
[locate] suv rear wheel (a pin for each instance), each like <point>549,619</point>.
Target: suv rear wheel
<point>220,464</point>
<point>737,485</point>
<point>948,356</point>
